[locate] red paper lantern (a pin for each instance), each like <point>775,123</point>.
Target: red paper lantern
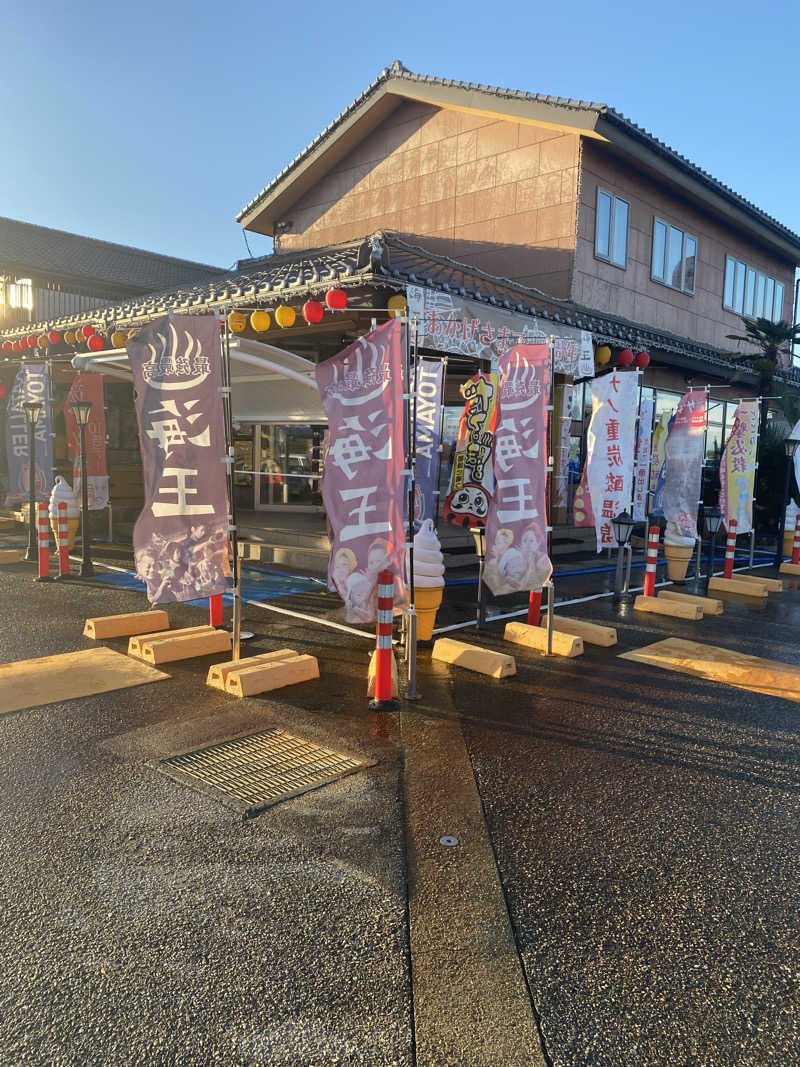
<point>33,340</point>
<point>313,312</point>
<point>642,359</point>
<point>2,389</point>
<point>625,357</point>
<point>22,343</point>
<point>96,342</point>
<point>336,299</point>
<point>54,337</point>
<point>8,346</point>
<point>87,331</point>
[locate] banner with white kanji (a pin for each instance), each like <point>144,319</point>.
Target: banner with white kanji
<point>683,463</point>
<point>364,488</point>
<point>471,478</point>
<point>180,539</point>
<point>88,385</point>
<point>737,469</point>
<point>32,383</point>
<point>516,530</point>
<point>610,450</point>
<point>641,469</point>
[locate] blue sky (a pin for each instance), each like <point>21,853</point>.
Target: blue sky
<point>152,124</point>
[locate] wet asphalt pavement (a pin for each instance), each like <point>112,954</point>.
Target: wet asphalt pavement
<point>644,826</point>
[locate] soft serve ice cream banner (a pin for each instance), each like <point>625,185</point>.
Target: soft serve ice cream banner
<point>364,488</point>
<point>516,530</point>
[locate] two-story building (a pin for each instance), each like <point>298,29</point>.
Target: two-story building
<point>546,214</point>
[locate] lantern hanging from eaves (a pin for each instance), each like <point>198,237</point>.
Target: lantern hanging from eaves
<point>397,305</point>
<point>642,360</point>
<point>285,316</point>
<point>313,312</point>
<point>602,355</point>
<point>260,321</point>
<point>96,342</point>
<point>118,339</point>
<point>336,299</point>
<point>237,322</point>
<point>625,357</point>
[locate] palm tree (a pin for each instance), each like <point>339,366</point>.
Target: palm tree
<point>773,342</point>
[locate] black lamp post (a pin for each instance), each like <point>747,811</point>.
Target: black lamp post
<point>789,447</point>
<point>713,523</point>
<point>32,409</point>
<point>622,527</point>
<point>82,410</point>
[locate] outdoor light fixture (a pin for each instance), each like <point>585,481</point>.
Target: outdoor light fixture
<point>82,410</point>
<point>623,528</point>
<point>789,447</point>
<point>32,409</point>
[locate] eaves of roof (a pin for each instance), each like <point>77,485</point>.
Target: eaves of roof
<point>590,116</point>
<point>386,260</point>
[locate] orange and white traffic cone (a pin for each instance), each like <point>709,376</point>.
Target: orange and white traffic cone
<point>652,561</point>
<point>44,544</point>
<point>796,544</point>
<point>383,659</point>
<point>730,549</point>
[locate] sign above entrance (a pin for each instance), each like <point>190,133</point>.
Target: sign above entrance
<point>448,323</point>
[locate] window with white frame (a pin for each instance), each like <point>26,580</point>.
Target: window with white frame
<point>749,292</point>
<point>674,256</point>
<point>611,229</point>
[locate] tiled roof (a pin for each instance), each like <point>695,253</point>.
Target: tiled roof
<point>38,248</point>
<point>384,260</point>
<point>616,118</point>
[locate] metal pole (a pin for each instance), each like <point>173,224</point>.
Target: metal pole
<point>87,570</point>
<point>32,555</point>
<point>227,408</point>
<point>618,574</point>
<point>411,461</point>
<point>551,344</point>
<point>782,520</point>
<point>626,587</point>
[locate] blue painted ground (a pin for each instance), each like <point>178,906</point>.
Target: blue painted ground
<point>257,584</point>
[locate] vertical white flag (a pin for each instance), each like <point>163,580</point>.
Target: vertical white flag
<point>610,449</point>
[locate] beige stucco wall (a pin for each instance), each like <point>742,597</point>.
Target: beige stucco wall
<point>631,293</point>
<point>494,194</point>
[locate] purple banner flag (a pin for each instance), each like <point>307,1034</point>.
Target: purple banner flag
<point>429,411</point>
<point>180,539</point>
<point>364,486</point>
<point>32,383</point>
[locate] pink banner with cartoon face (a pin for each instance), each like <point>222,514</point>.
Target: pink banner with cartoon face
<point>364,488</point>
<point>516,531</point>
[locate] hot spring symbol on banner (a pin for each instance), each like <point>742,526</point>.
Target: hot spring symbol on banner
<point>364,488</point>
<point>610,450</point>
<point>181,537</point>
<point>516,531</point>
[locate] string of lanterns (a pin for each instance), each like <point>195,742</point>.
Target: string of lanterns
<point>625,357</point>
<point>87,335</point>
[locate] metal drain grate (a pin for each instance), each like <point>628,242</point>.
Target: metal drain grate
<point>252,773</point>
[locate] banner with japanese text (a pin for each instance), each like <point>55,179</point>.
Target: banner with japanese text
<point>88,385</point>
<point>471,479</point>
<point>641,464</point>
<point>737,468</point>
<point>562,415</point>
<point>610,450</point>
<point>180,539</point>
<point>428,390</point>
<point>451,323</point>
<point>32,383</point>
<point>685,448</point>
<point>364,488</point>
<point>516,530</point>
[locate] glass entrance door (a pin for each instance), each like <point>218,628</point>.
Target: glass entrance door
<point>289,464</point>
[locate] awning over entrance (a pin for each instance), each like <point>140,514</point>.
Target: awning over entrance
<point>269,383</point>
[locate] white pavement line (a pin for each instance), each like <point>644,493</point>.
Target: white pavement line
<point>470,998</point>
